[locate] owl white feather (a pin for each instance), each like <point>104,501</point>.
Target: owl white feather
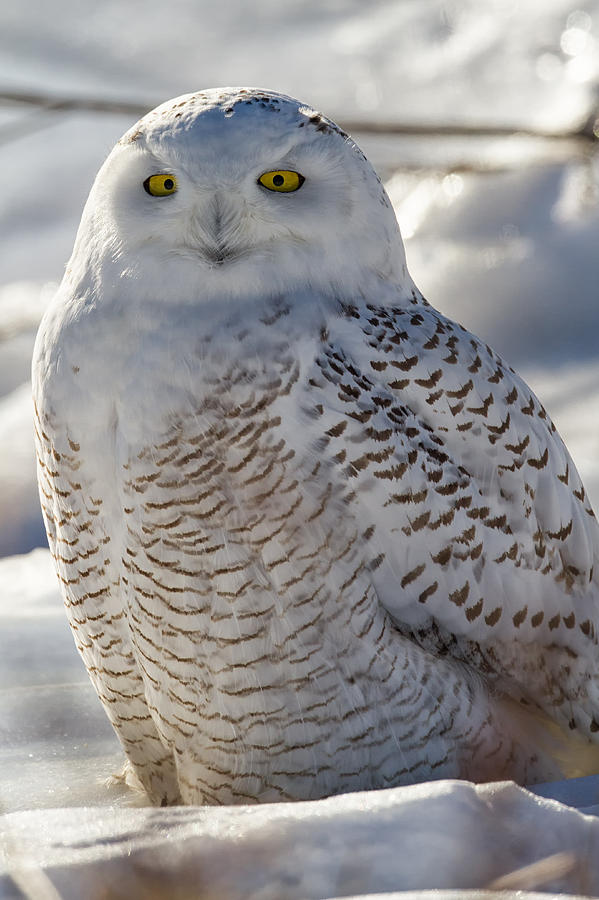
<point>311,535</point>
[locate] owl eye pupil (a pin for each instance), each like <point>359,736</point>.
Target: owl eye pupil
<point>160,185</point>
<point>281,180</point>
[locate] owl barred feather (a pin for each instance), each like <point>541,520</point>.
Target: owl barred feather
<point>312,536</point>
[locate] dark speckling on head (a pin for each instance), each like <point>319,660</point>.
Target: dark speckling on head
<point>227,100</point>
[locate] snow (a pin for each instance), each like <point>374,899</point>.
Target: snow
<point>449,835</point>
<point>501,233</point>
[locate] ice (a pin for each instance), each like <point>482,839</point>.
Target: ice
<point>56,745</point>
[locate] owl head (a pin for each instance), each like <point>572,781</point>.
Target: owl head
<point>233,192</point>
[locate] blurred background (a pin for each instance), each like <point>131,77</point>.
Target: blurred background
<point>482,116</point>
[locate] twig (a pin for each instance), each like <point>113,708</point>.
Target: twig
<point>587,131</point>
<point>537,874</point>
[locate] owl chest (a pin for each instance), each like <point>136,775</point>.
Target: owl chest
<point>226,506</point>
<point>235,523</point>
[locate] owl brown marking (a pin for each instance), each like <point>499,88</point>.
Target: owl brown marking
<point>460,596</point>
<point>474,611</point>
<point>447,489</point>
<point>432,343</point>
<point>563,533</point>
<point>428,592</point>
<point>479,512</point>
<point>484,409</point>
<point>432,398</point>
<point>421,521</point>
<point>435,475</point>
<point>493,617</point>
<point>431,381</point>
<point>497,376</point>
<point>409,577</point>
<point>462,392</point>
<point>520,617</point>
<point>406,364</point>
<point>452,359</point>
<point>444,519</point>
<point>540,462</point>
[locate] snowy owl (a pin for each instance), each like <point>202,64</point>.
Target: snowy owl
<point>312,536</point>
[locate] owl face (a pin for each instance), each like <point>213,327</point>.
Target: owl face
<point>239,191</point>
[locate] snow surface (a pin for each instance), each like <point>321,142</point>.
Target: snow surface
<point>449,834</point>
<point>502,233</point>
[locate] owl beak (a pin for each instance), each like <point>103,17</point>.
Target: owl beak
<point>218,227</point>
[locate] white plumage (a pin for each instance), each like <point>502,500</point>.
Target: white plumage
<point>312,536</point>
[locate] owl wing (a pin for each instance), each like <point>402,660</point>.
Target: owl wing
<point>80,534</point>
<point>482,541</point>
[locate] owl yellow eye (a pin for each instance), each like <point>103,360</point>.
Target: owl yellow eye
<point>281,180</point>
<point>160,185</point>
